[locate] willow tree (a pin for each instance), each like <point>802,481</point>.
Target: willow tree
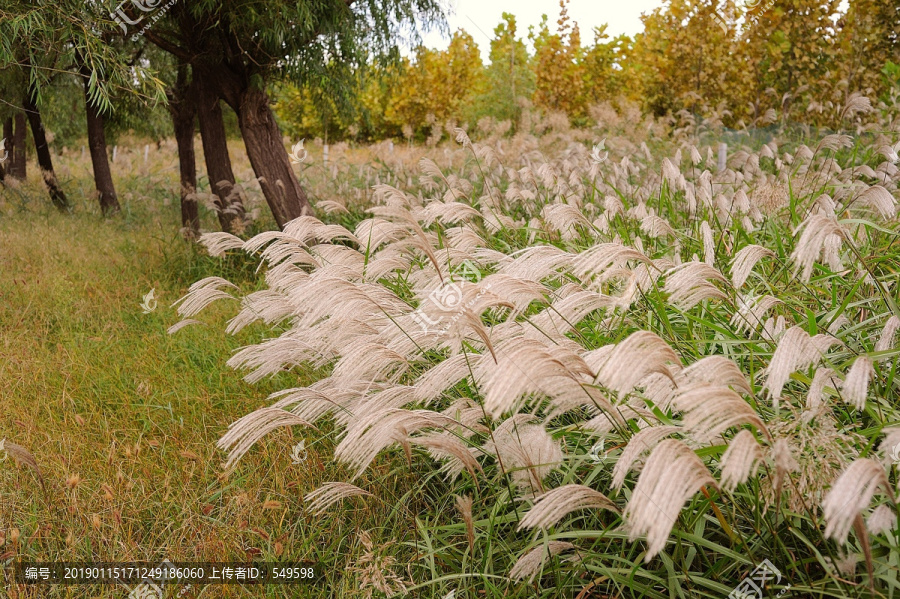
<point>44,40</point>
<point>236,47</point>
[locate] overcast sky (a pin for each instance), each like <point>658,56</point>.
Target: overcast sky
<point>479,17</point>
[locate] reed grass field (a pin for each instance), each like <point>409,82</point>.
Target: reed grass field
<point>634,359</point>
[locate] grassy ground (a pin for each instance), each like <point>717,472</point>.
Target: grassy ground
<point>122,418</point>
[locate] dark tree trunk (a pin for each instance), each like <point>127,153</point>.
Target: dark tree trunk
<point>215,151</point>
<point>109,201</point>
<point>183,110</point>
<point>42,149</point>
<point>262,138</point>
<point>17,168</point>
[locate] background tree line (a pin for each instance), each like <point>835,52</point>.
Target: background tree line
<point>733,61</point>
<point>333,69</point>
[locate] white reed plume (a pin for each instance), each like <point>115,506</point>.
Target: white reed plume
<point>856,104</point>
<point>367,435</point>
<point>822,236</point>
<point>656,227</point>
<point>850,494</point>
<point>201,294</point>
<point>716,370</point>
<point>536,263</point>
<point>744,260</point>
<point>564,218</point>
<point>822,378</point>
<point>838,323</point>
<point>672,474</point>
<point>641,442</point>
<point>856,383</point>
<point>448,213</point>
<point>182,324</point>
<point>886,338</point>
<point>525,450</point>
<point>785,463</point>
<point>711,410</point>
<point>796,350</point>
<point>671,174</point>
<point>554,505</point>
<point>267,305</point>
<point>709,243</point>
<point>308,230</point>
<point>689,284</point>
<point>218,243</point>
<point>563,315</point>
<point>881,200</point>
<point>600,258</point>
<point>741,460</point>
<point>330,493</point>
<point>531,563</point>
<point>464,507</point>
<point>243,433</point>
<point>455,455</point>
<point>642,353</point>
<point>751,311</point>
<point>882,520</point>
<point>524,366</point>
<point>444,375</point>
<point>272,356</point>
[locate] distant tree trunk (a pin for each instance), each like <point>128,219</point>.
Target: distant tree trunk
<point>109,201</point>
<point>18,161</point>
<point>42,149</point>
<point>184,110</point>
<point>262,138</point>
<point>215,151</point>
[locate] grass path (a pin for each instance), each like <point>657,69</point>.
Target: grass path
<point>122,417</point>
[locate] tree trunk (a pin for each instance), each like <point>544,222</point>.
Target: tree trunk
<point>42,149</point>
<point>109,202</point>
<point>262,138</point>
<point>218,163</point>
<point>18,163</point>
<point>183,112</point>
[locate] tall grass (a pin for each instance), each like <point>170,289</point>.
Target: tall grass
<point>622,375</point>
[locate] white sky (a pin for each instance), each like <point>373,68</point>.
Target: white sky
<point>479,17</point>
